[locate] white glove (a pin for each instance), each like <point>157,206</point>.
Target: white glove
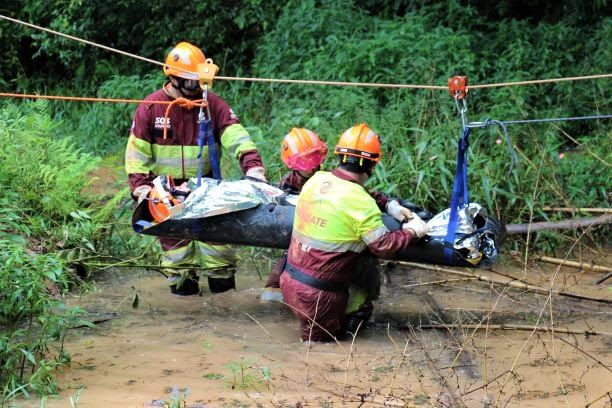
<point>417,226</point>
<point>141,192</point>
<point>398,212</point>
<point>258,173</point>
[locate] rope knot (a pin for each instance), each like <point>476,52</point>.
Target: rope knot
<point>185,103</point>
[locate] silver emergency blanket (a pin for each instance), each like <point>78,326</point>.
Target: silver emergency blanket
<point>252,213</point>
<point>472,239</point>
<point>216,197</point>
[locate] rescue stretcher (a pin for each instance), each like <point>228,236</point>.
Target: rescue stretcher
<point>256,214</point>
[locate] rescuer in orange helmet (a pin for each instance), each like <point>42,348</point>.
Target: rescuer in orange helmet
<point>303,153</point>
<point>167,145</point>
<point>336,220</point>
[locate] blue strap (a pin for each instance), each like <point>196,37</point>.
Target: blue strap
<point>460,188</point>
<point>206,135</point>
<point>141,225</point>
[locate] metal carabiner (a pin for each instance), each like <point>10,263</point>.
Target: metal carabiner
<point>201,116</point>
<point>462,110</point>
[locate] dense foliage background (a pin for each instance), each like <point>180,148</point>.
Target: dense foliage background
<point>48,148</point>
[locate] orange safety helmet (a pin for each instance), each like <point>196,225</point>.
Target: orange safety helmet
<point>361,142</point>
<point>183,61</point>
<point>161,202</point>
<point>301,149</point>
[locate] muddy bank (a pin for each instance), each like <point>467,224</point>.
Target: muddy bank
<point>230,350</point>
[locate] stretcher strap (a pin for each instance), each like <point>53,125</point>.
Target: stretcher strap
<point>460,197</point>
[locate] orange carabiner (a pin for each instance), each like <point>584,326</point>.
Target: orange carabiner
<point>458,86</point>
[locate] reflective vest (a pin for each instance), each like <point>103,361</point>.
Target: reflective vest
<point>335,215</point>
<point>177,155</point>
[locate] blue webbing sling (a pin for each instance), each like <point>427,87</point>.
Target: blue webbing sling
<point>460,197</point>
<point>206,135</point>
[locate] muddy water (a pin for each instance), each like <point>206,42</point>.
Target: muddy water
<point>232,351</point>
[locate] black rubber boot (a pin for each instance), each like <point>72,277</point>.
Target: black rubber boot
<point>349,326</point>
<point>357,319</point>
<point>219,285</point>
<point>189,287</point>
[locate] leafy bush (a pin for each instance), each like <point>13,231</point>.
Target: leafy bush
<point>227,32</point>
<point>45,175</point>
<point>41,178</point>
<point>28,321</point>
<point>45,171</point>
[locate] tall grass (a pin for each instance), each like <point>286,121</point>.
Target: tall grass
<point>335,40</point>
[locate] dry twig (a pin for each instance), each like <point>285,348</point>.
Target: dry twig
<point>520,327</point>
<point>511,283</point>
<point>608,393</point>
<point>533,331</point>
<point>575,210</point>
<point>513,229</point>
<point>350,354</point>
<point>574,264</point>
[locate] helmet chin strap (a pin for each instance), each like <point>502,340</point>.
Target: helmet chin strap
<point>192,97</point>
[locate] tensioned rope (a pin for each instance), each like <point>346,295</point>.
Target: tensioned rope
<point>487,122</point>
<point>81,98</point>
<point>314,82</point>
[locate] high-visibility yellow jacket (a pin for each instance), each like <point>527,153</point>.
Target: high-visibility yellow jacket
<point>335,220</point>
<point>148,154</point>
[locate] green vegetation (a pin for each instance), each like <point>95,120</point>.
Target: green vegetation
<point>419,128</point>
<point>41,176</point>
<point>27,321</point>
<point>48,225</point>
<point>244,374</point>
<point>43,219</point>
<point>177,398</point>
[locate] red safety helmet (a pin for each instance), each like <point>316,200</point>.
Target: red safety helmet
<point>301,149</point>
<point>183,61</point>
<point>361,142</point>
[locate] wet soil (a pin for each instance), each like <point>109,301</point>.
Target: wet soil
<point>230,350</point>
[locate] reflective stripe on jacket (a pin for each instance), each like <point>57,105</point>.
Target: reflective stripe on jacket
<point>149,154</point>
